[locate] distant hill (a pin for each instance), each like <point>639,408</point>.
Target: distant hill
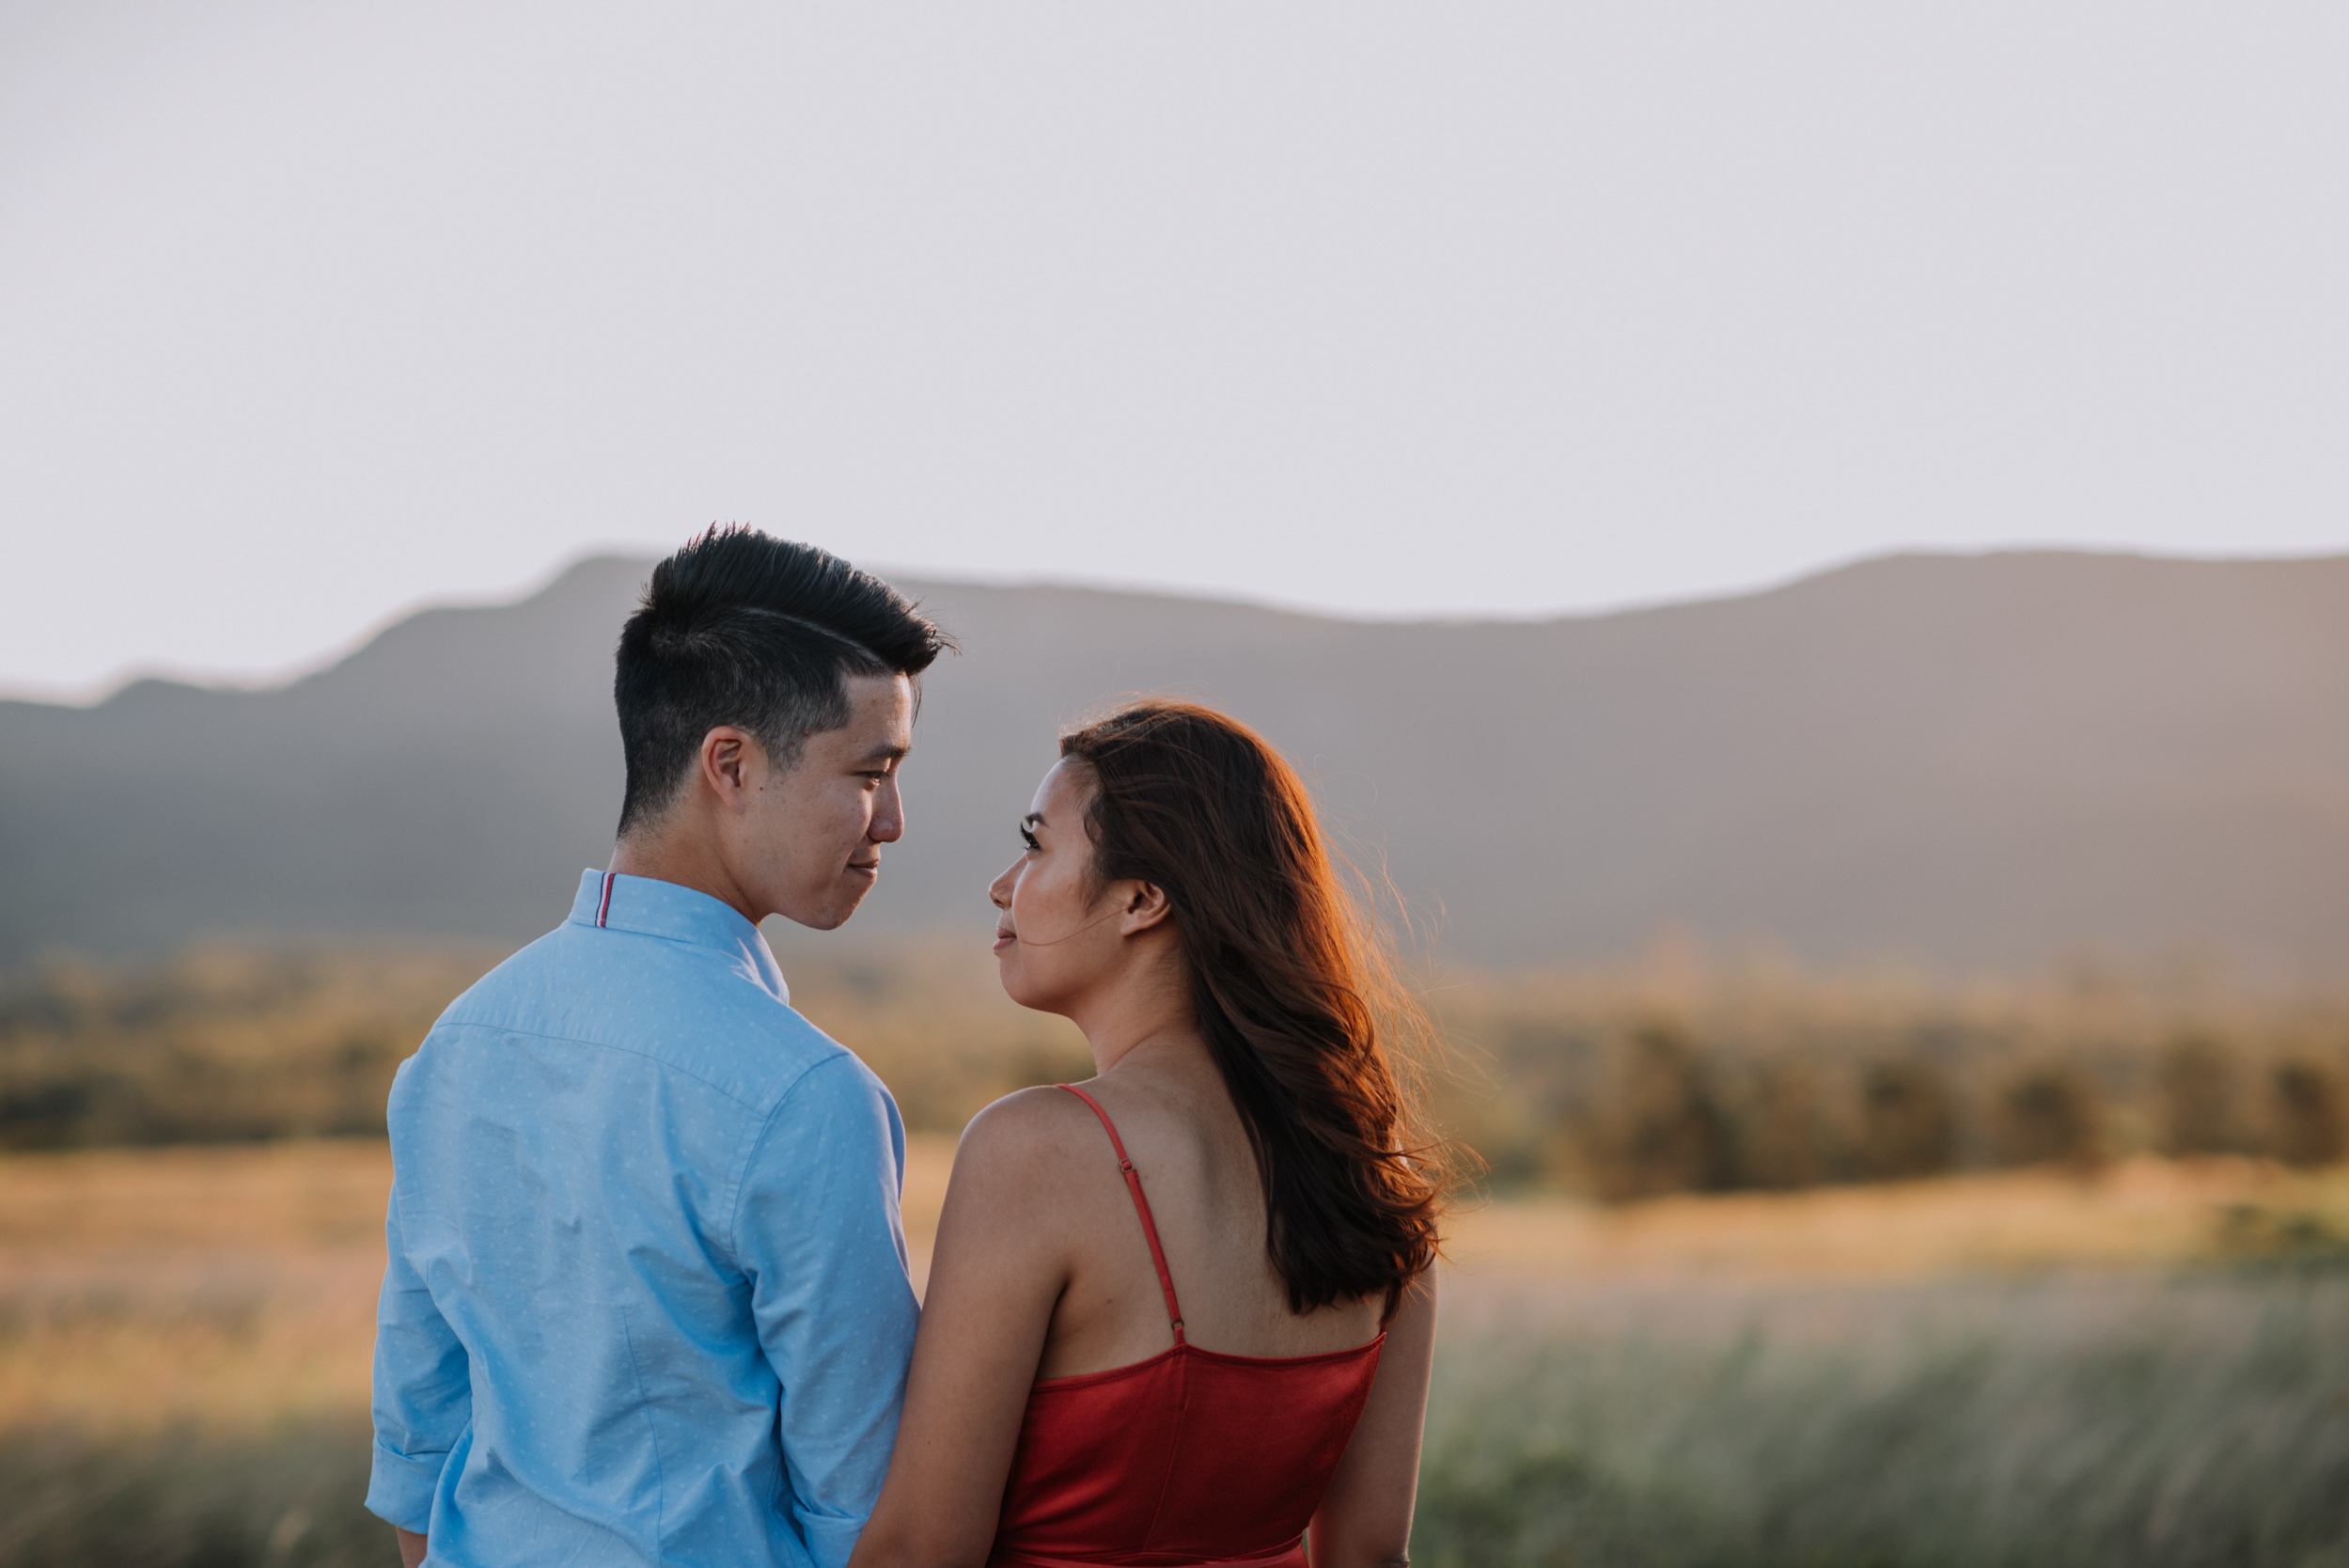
<point>1962,760</point>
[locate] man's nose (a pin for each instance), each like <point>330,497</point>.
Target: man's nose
<point>888,815</point>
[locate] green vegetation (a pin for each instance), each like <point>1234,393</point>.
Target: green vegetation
<point>1631,1085</point>
<point>2171,1424</point>
<point>218,1044</point>
<point>225,1044</point>
<point>291,1499</point>
<point>1624,1085</point>
<point>2201,1419</point>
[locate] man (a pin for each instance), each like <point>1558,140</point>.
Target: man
<point>647,1299</point>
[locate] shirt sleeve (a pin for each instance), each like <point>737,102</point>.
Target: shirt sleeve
<point>819,1236</point>
<point>423,1391</point>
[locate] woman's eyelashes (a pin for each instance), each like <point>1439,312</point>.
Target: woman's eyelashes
<point>1028,838</point>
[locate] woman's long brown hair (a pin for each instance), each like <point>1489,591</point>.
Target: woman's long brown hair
<point>1290,985</point>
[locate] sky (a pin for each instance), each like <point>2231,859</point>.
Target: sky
<point>314,312</point>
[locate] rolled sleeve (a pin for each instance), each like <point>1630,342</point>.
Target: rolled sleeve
<point>423,1391</point>
<point>818,1233</point>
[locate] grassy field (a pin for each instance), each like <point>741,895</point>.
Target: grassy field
<point>2147,1365</point>
<point>2055,1421</point>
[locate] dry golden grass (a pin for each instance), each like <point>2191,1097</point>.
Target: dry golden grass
<point>228,1288</point>
<point>234,1288</point>
<point>2137,1212</point>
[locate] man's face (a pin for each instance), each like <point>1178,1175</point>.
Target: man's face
<point>807,845</point>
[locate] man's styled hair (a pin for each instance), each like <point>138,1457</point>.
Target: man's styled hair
<point>744,628</point>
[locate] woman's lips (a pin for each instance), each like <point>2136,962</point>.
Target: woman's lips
<point>1004,938</point>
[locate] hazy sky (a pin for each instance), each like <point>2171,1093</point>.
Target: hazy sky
<point>310,311</point>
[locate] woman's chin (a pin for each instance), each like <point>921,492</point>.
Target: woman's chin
<point>1014,987</point>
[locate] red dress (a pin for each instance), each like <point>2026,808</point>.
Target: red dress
<point>1192,1459</point>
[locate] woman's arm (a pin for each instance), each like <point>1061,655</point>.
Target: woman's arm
<point>995,1274</point>
<point>1365,1517</point>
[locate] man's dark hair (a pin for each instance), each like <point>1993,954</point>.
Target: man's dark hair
<point>744,629</point>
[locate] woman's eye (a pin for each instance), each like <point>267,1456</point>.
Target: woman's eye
<point>1029,839</point>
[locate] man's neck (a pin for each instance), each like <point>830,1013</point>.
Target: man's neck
<point>674,852</point>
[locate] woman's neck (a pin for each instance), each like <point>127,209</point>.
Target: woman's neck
<point>1148,1007</point>
<point>1174,1036</point>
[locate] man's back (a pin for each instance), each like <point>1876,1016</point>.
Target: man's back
<point>644,1224</point>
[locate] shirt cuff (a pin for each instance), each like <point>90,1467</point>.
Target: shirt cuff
<point>400,1489</point>
<point>829,1537</point>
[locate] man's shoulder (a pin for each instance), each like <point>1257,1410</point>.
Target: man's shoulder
<point>685,1009</point>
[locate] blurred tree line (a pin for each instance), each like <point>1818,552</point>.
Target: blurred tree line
<point>232,1043</point>
<point>1622,1085</point>
<point>1632,1085</point>
<point>220,1043</point>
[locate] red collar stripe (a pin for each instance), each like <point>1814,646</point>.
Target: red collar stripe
<point>603,904</point>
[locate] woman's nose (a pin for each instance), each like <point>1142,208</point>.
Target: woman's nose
<point>999,890</point>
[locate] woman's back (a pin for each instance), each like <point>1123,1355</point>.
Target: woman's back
<point>1190,1455</point>
<point>1200,1179</point>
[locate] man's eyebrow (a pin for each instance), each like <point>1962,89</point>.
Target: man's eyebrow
<point>888,752</point>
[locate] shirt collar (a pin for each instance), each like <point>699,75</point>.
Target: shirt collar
<point>650,907</point>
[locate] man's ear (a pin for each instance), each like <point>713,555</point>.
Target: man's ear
<point>1144,906</point>
<point>729,762</point>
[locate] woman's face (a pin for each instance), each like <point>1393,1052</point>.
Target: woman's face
<point>1057,934</point>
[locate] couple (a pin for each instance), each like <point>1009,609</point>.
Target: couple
<point>647,1299</point>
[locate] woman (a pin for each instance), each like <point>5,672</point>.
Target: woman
<point>1184,1312</point>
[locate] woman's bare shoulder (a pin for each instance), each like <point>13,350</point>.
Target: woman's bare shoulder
<point>1032,1134</point>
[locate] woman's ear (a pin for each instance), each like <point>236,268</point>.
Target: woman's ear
<point>1144,907</point>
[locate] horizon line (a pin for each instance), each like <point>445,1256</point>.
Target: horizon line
<point>104,690</point>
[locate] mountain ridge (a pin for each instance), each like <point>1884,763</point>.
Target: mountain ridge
<point>1961,761</point>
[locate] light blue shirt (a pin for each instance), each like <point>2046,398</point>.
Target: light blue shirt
<point>647,1299</point>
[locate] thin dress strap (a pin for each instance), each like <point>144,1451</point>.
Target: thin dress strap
<point>1141,1206</point>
